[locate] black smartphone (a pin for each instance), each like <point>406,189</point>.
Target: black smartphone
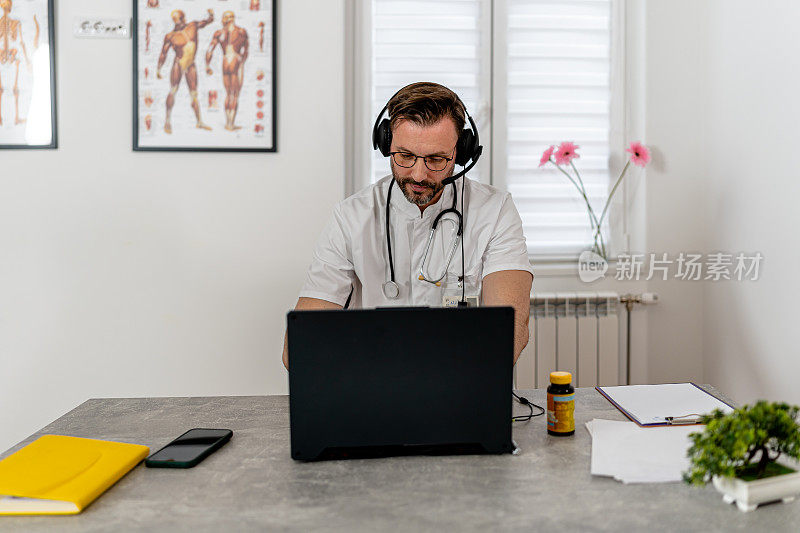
<point>189,449</point>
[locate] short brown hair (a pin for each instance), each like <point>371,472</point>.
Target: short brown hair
<point>426,103</point>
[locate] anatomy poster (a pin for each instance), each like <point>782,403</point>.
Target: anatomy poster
<point>27,74</point>
<point>204,75</point>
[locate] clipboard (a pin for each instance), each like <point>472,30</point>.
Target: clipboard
<point>669,404</point>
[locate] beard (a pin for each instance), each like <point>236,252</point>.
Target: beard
<point>419,198</point>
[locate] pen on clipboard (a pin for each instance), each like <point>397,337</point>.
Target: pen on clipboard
<point>693,418</point>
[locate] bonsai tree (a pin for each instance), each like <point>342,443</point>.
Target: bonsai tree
<point>744,443</point>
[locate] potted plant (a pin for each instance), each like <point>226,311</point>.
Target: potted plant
<point>739,453</point>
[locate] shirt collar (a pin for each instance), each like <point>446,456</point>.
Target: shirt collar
<point>400,202</point>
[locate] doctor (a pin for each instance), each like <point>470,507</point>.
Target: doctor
<point>449,242</point>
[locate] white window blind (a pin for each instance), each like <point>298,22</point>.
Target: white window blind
<point>558,68</point>
<point>546,68</point>
<point>428,40</point>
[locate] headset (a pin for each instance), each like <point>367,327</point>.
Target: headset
<point>468,146</point>
<point>468,150</point>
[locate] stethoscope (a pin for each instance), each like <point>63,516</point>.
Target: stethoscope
<point>390,288</point>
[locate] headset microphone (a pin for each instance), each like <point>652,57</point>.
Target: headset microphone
<point>451,179</point>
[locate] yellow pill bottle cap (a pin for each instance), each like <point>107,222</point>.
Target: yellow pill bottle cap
<point>560,378</point>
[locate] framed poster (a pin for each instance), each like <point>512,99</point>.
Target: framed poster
<point>27,74</point>
<point>204,75</point>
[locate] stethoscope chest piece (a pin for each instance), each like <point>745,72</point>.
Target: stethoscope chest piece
<point>391,290</point>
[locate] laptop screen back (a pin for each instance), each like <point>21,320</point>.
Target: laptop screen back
<point>409,377</point>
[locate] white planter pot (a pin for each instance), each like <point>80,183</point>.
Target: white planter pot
<point>749,494</point>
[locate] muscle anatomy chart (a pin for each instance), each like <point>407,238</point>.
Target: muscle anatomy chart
<point>25,74</point>
<point>188,53</point>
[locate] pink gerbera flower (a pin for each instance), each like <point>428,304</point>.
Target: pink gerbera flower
<point>566,153</point>
<point>640,155</point>
<point>546,156</point>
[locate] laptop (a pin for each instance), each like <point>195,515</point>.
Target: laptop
<point>400,381</point>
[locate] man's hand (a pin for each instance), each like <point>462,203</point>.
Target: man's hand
<point>158,75</point>
<point>513,288</point>
<point>305,304</point>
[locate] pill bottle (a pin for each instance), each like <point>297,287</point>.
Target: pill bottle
<point>560,405</point>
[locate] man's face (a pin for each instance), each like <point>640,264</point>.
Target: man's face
<point>227,18</point>
<point>5,5</point>
<point>178,16</point>
<point>420,185</point>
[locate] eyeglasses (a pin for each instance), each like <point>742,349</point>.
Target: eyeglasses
<point>436,163</point>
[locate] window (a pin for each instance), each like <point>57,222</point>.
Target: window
<point>543,68</point>
<point>443,41</point>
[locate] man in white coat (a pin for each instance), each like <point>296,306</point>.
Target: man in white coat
<point>376,250</point>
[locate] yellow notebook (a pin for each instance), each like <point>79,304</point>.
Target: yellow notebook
<point>62,475</point>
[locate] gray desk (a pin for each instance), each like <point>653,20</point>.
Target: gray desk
<point>252,485</point>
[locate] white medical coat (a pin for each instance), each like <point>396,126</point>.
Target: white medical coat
<point>352,253</point>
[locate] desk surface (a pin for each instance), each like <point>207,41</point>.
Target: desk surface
<point>251,484</point>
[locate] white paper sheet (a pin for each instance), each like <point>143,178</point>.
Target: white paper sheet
<point>651,404</point>
<point>633,454</point>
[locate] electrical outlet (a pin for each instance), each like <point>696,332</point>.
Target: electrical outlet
<point>102,28</point>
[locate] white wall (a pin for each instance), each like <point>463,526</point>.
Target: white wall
<point>721,114</point>
<point>675,192</point>
<point>155,274</point>
<point>750,328</point>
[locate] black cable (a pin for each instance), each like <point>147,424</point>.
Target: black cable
<point>463,302</point>
<point>524,401</point>
<point>388,234</point>
<point>463,275</point>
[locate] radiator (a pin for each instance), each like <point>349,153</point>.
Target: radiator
<point>573,332</point>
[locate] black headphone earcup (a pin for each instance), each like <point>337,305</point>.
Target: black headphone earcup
<point>465,148</point>
<point>382,137</point>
